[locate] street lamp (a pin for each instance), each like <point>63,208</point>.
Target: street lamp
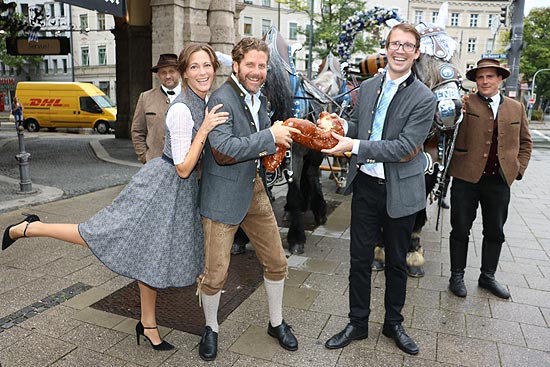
<point>533,94</point>
<point>310,53</point>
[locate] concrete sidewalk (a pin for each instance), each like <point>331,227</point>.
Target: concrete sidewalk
<point>47,287</point>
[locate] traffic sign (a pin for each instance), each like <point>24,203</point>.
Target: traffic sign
<point>494,56</point>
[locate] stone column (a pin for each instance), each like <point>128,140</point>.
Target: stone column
<point>221,19</point>
<point>133,63</point>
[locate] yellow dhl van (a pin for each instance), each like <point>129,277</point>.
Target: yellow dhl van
<point>65,105</point>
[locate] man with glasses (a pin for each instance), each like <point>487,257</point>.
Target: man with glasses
<point>385,135</point>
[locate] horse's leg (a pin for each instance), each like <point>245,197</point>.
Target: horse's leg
<point>312,190</point>
<point>296,236</point>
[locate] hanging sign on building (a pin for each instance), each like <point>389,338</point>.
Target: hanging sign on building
<point>43,46</point>
<point>114,7</point>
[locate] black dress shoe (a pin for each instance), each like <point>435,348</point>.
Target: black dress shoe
<point>456,284</point>
<point>208,348</point>
<point>401,339</point>
<point>284,334</point>
<point>489,282</point>
<point>346,336</point>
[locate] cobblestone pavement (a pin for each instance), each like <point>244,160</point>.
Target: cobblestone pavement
<point>479,330</point>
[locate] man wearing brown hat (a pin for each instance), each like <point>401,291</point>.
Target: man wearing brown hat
<point>492,149</point>
<point>148,122</point>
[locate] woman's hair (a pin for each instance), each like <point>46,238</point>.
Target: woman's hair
<point>190,49</point>
<point>248,44</point>
<point>407,28</point>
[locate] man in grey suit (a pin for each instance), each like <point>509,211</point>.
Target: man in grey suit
<point>392,119</point>
<point>232,192</point>
<point>148,123</point>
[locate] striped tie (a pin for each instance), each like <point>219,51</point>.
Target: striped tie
<point>380,115</point>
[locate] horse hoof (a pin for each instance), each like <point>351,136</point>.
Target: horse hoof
<point>415,271</point>
<point>238,249</point>
<point>377,265</point>
<point>320,219</point>
<point>296,249</point>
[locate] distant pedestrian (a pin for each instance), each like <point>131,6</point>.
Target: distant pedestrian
<point>17,111</point>
<point>492,149</point>
<point>148,123</point>
<point>152,231</point>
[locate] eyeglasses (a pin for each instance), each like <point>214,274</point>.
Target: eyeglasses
<point>407,46</point>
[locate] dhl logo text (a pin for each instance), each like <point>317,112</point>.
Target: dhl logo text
<point>45,102</point>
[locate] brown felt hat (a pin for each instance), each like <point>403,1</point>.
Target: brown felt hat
<point>488,63</point>
<point>165,60</point>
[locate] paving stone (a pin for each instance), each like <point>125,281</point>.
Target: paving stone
<point>539,283</point>
<point>516,312</point>
<point>53,322</point>
<point>352,357</point>
<point>93,275</point>
<point>300,298</point>
<point>331,303</point>
<point>246,361</point>
<point>422,297</point>
<point>513,356</point>
<point>463,351</point>
<point>296,278</point>
<point>537,337</point>
<point>493,329</point>
<point>311,352</point>
<point>62,267</point>
<point>469,305</point>
<point>13,278</point>
<point>12,336</point>
<point>319,266</point>
<point>191,359</point>
<point>35,350</point>
<point>87,298</point>
<point>530,296</point>
<point>324,282</point>
<point>255,342</point>
<point>251,312</point>
<point>94,337</point>
<point>99,318</point>
<point>546,314</point>
<point>426,341</point>
<point>142,355</point>
<point>420,362</point>
<point>517,268</point>
<point>83,357</point>
<point>439,320</point>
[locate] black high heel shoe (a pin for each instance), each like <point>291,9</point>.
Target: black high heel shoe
<point>7,241</point>
<point>164,345</point>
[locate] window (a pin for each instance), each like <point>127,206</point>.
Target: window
<point>105,87</point>
<point>471,45</point>
<point>3,68</point>
<point>490,45</point>
<point>52,10</point>
<point>266,2</point>
<point>64,63</point>
<point>102,55</point>
<point>46,66</point>
<point>492,18</point>
<point>418,15</point>
<point>473,20</point>
<point>25,10</point>
<point>266,25</point>
<point>292,31</point>
<point>248,2</point>
<point>434,16</point>
<point>87,104</point>
<point>61,10</point>
<point>454,19</point>
<point>101,21</point>
<point>247,30</point>
<point>55,69</point>
<point>84,56</point>
<point>84,22</point>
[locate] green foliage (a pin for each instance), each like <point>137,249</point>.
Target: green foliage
<point>536,52</point>
<point>13,26</point>
<point>327,25</point>
<point>537,115</point>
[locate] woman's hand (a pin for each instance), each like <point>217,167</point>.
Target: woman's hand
<point>213,118</point>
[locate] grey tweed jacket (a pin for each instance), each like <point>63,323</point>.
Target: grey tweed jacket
<point>408,120</point>
<point>231,156</point>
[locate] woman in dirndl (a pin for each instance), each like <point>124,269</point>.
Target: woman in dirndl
<point>152,231</point>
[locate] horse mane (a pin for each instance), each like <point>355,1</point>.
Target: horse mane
<point>278,92</point>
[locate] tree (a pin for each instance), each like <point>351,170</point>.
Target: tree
<point>13,24</point>
<point>327,25</point>
<point>536,52</point>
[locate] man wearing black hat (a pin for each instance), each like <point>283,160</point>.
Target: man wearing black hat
<point>492,149</point>
<point>148,122</point>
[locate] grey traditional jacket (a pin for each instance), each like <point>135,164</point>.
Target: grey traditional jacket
<point>231,156</point>
<point>408,120</point>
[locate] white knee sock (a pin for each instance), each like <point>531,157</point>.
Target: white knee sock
<point>210,306</point>
<point>274,290</point>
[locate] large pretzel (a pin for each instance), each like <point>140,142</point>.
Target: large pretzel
<point>311,136</point>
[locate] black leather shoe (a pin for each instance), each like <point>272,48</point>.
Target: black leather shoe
<point>401,339</point>
<point>208,348</point>
<point>489,282</point>
<point>346,336</point>
<point>284,334</point>
<point>456,284</point>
